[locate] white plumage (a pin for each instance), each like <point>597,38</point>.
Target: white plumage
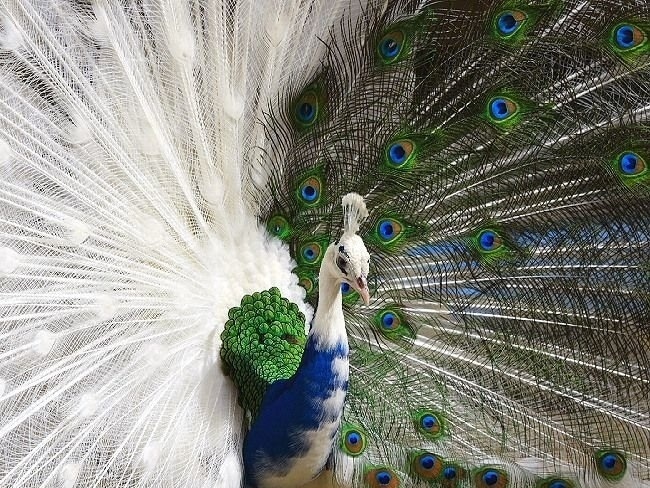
<point>127,232</point>
<point>141,141</point>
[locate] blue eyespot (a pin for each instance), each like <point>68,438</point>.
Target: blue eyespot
<point>427,465</point>
<point>427,462</point>
<point>389,232</point>
<point>353,442</point>
<point>390,46</point>
<point>631,164</point>
<point>429,423</point>
<point>488,240</point>
<point>608,461</point>
<point>502,108</point>
<point>611,464</point>
<point>307,111</point>
<point>510,22</point>
<point>388,320</point>
<point>384,477</point>
<point>628,36</point>
<point>345,288</point>
<point>386,229</point>
<point>311,252</point>
<point>309,191</point>
<point>490,478</point>
<point>558,484</point>
<point>389,229</point>
<point>307,107</point>
<point>399,153</point>
<point>449,473</point>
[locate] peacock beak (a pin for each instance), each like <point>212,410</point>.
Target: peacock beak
<point>361,286</point>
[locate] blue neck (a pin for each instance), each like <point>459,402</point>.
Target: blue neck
<point>299,416</point>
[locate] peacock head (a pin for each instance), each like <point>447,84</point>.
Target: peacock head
<point>348,259</point>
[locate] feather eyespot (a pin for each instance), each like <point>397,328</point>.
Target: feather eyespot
<point>489,241</point>
<point>389,320</point>
<point>399,153</point>
<point>279,227</point>
<point>556,483</point>
<point>390,46</point>
<point>309,191</point>
<point>427,465</point>
<point>389,230</point>
<point>491,478</point>
<point>311,252</point>
<point>428,423</point>
<point>502,108</point>
<point>382,477</point>
<point>509,22</point>
<point>611,464</point>
<point>628,36</point>
<point>631,164</point>
<point>309,106</point>
<point>346,289</point>
<point>307,283</point>
<point>353,441</point>
<point>391,324</point>
<point>450,473</point>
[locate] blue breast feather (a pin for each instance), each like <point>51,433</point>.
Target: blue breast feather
<point>291,407</point>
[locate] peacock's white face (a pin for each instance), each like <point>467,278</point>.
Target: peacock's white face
<point>351,262</point>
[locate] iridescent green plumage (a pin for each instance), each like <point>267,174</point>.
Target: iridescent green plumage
<point>263,342</point>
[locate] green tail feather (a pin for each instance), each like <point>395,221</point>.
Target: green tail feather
<point>504,160</point>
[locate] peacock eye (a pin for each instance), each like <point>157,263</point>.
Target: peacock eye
<point>341,263</point>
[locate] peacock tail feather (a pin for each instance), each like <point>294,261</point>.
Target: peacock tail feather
<point>501,149</point>
<point>161,162</point>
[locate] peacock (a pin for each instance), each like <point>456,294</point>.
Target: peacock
<point>324,243</point>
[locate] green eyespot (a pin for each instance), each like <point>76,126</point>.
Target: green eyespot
<point>390,323</point>
<point>427,465</point>
<point>400,154</point>
<point>509,22</point>
<point>611,464</point>
<point>501,109</point>
<point>491,477</point>
<point>309,107</point>
<point>279,227</point>
<point>381,477</point>
<point>353,440</point>
<point>429,423</point>
<point>391,46</point>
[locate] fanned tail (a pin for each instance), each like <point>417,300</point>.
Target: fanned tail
<point>502,151</point>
